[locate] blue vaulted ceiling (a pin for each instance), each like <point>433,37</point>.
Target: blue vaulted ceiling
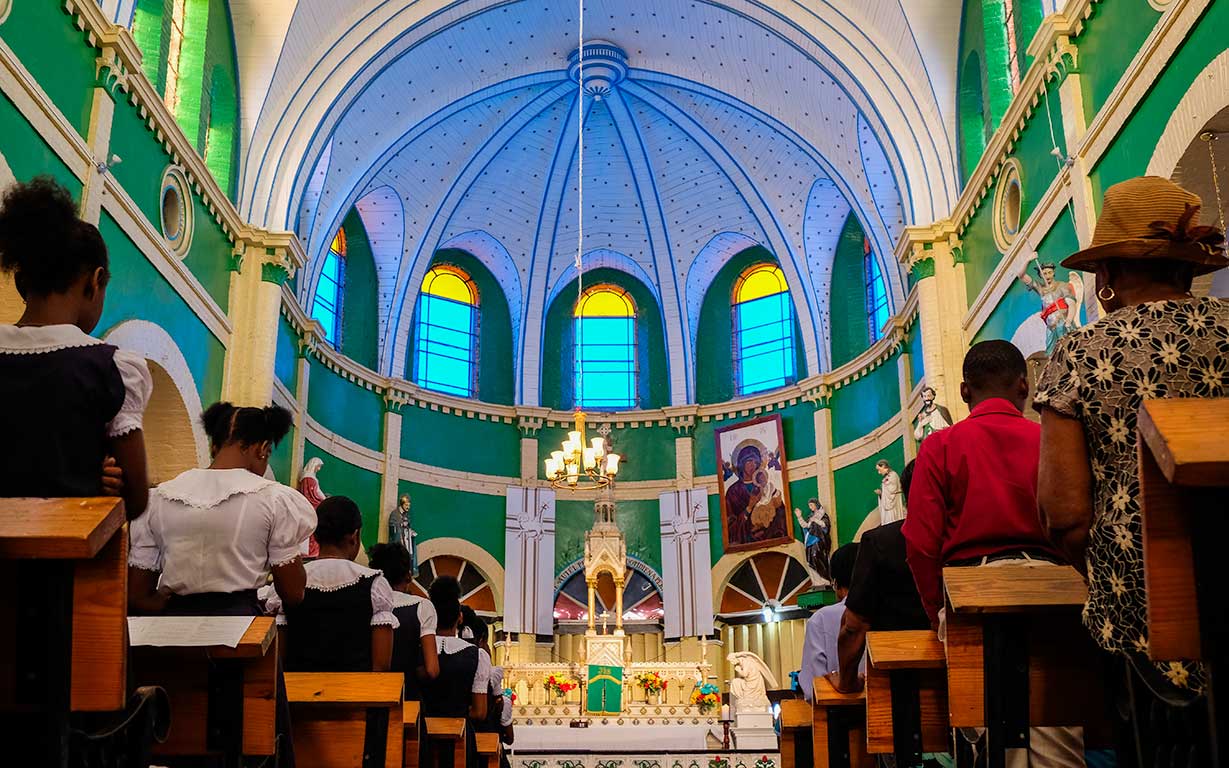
<point>469,138</point>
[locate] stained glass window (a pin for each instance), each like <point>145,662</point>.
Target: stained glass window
<point>174,48</point>
<point>1013,61</point>
<point>763,330</point>
<point>326,306</point>
<point>446,334</point>
<point>605,361</point>
<point>877,309</point>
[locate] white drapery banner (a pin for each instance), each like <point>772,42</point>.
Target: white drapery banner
<point>529,569</point>
<point>687,576</point>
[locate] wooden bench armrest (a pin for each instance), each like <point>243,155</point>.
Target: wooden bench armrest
<point>828,696</point>
<point>795,713</point>
<point>361,689</point>
<point>1014,588</point>
<point>409,713</point>
<point>450,728</point>
<point>912,649</point>
<point>58,529</point>
<point>1188,437</point>
<point>487,743</point>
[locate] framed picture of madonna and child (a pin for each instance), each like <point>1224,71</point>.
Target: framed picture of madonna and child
<point>754,485</point>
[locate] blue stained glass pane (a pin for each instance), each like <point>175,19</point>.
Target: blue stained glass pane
<point>446,343</point>
<point>605,362</point>
<point>764,347</point>
<point>324,304</point>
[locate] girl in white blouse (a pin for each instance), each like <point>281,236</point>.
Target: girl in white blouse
<point>211,537</point>
<point>345,621</point>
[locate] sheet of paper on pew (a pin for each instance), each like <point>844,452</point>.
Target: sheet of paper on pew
<point>187,631</point>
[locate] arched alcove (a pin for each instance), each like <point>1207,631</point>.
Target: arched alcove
<point>971,113</point>
<point>475,557</point>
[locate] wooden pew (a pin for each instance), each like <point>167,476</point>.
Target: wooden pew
<point>1018,655</point>
<point>223,700</point>
<point>63,615</point>
<point>410,712</point>
<point>906,695</point>
<point>346,718</point>
<point>446,736</point>
<point>838,728</point>
<point>795,734</point>
<point>1184,497</point>
<point>489,749</point>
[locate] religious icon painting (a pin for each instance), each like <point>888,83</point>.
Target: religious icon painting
<point>754,485</point>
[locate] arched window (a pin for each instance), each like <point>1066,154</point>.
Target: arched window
<point>446,334</point>
<point>176,27</point>
<point>763,330</point>
<point>326,306</point>
<point>1013,53</point>
<point>605,362</point>
<point>972,114</point>
<point>877,309</point>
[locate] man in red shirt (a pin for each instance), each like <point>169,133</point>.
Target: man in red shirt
<point>974,493</point>
<point>973,501</point>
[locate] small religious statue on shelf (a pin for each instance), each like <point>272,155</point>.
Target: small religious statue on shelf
<point>1060,301</point>
<point>400,532</point>
<point>752,679</point>
<point>891,497</point>
<point>604,616</point>
<point>932,417</point>
<point>818,542</point>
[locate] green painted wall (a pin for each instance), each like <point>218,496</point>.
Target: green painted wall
<point>138,292</point>
<point>917,363</point>
<point>854,489</point>
<point>847,295</point>
<point>286,358</point>
<point>654,376</point>
<point>444,513</point>
<point>1112,36</point>
<point>340,478</point>
<point>495,343</point>
<point>1132,149</point>
<point>49,45</point>
<point>342,406</point>
<point>973,126</point>
<point>981,253</point>
<point>862,406</point>
<point>280,459</point>
<point>26,152</point>
<point>639,520</point>
<point>714,340</point>
<point>460,443</point>
<point>359,303</point>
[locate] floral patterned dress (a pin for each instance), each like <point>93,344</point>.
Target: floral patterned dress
<point>1100,374</point>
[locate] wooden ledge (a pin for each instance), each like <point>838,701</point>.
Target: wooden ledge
<point>409,713</point>
<point>58,529</point>
<point>795,713</point>
<point>828,696</point>
<point>254,643</point>
<point>450,728</point>
<point>1189,438</point>
<point>487,743</point>
<point>362,689</point>
<point>912,649</point>
<point>1014,589</point>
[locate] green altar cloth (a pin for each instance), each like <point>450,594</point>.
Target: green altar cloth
<point>604,694</point>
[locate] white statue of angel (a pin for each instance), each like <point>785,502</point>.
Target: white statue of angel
<point>749,688</point>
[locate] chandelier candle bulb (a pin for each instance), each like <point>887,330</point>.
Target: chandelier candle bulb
<point>612,464</point>
<point>590,458</point>
<point>599,446</point>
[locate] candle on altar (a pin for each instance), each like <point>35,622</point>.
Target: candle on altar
<point>725,711</point>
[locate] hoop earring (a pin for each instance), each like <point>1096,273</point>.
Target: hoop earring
<point>1101,294</point>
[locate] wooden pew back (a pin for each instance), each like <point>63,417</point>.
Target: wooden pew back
<point>330,715</point>
<point>795,733</point>
<point>839,727</point>
<point>447,736</point>
<point>489,749</point>
<point>919,654</point>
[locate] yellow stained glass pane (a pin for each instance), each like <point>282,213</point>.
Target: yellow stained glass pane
<point>605,301</point>
<point>339,243</point>
<point>449,284</point>
<point>759,281</point>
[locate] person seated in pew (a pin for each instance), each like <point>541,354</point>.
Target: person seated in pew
<point>973,498</point>
<point>74,404</point>
<point>973,502</point>
<point>1156,340</point>
<point>211,537</point>
<point>819,650</point>
<point>882,596</point>
<point>414,651</point>
<point>345,622</point>
<point>462,687</point>
<point>499,706</point>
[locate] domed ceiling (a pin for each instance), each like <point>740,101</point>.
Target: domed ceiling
<point>707,128</point>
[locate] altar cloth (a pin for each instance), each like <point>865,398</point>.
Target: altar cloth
<point>614,738</point>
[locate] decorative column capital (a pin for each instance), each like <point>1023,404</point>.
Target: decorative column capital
<point>313,334</point>
<point>118,58</point>
<point>395,400</point>
<point>530,420</point>
<point>682,419</point>
<point>919,243</point>
<point>820,396</point>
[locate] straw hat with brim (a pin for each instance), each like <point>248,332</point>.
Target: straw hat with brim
<point>1152,218</point>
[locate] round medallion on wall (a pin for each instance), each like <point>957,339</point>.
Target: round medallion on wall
<point>175,209</point>
<point>1008,201</point>
<point>5,7</point>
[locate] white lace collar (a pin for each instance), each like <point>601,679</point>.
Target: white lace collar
<point>331,574</point>
<point>204,488</point>
<point>37,339</point>
<point>402,599</point>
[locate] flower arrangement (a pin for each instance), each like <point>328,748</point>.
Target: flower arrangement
<point>558,685</point>
<point>651,682</point>
<point>706,697</point>
<point>511,694</point>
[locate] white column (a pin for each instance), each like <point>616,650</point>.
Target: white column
<point>934,256</point>
<point>99,140</point>
<point>255,300</point>
<point>389,487</point>
<point>311,336</point>
<point>820,399</point>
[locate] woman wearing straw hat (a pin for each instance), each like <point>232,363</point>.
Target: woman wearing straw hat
<point>1155,340</point>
